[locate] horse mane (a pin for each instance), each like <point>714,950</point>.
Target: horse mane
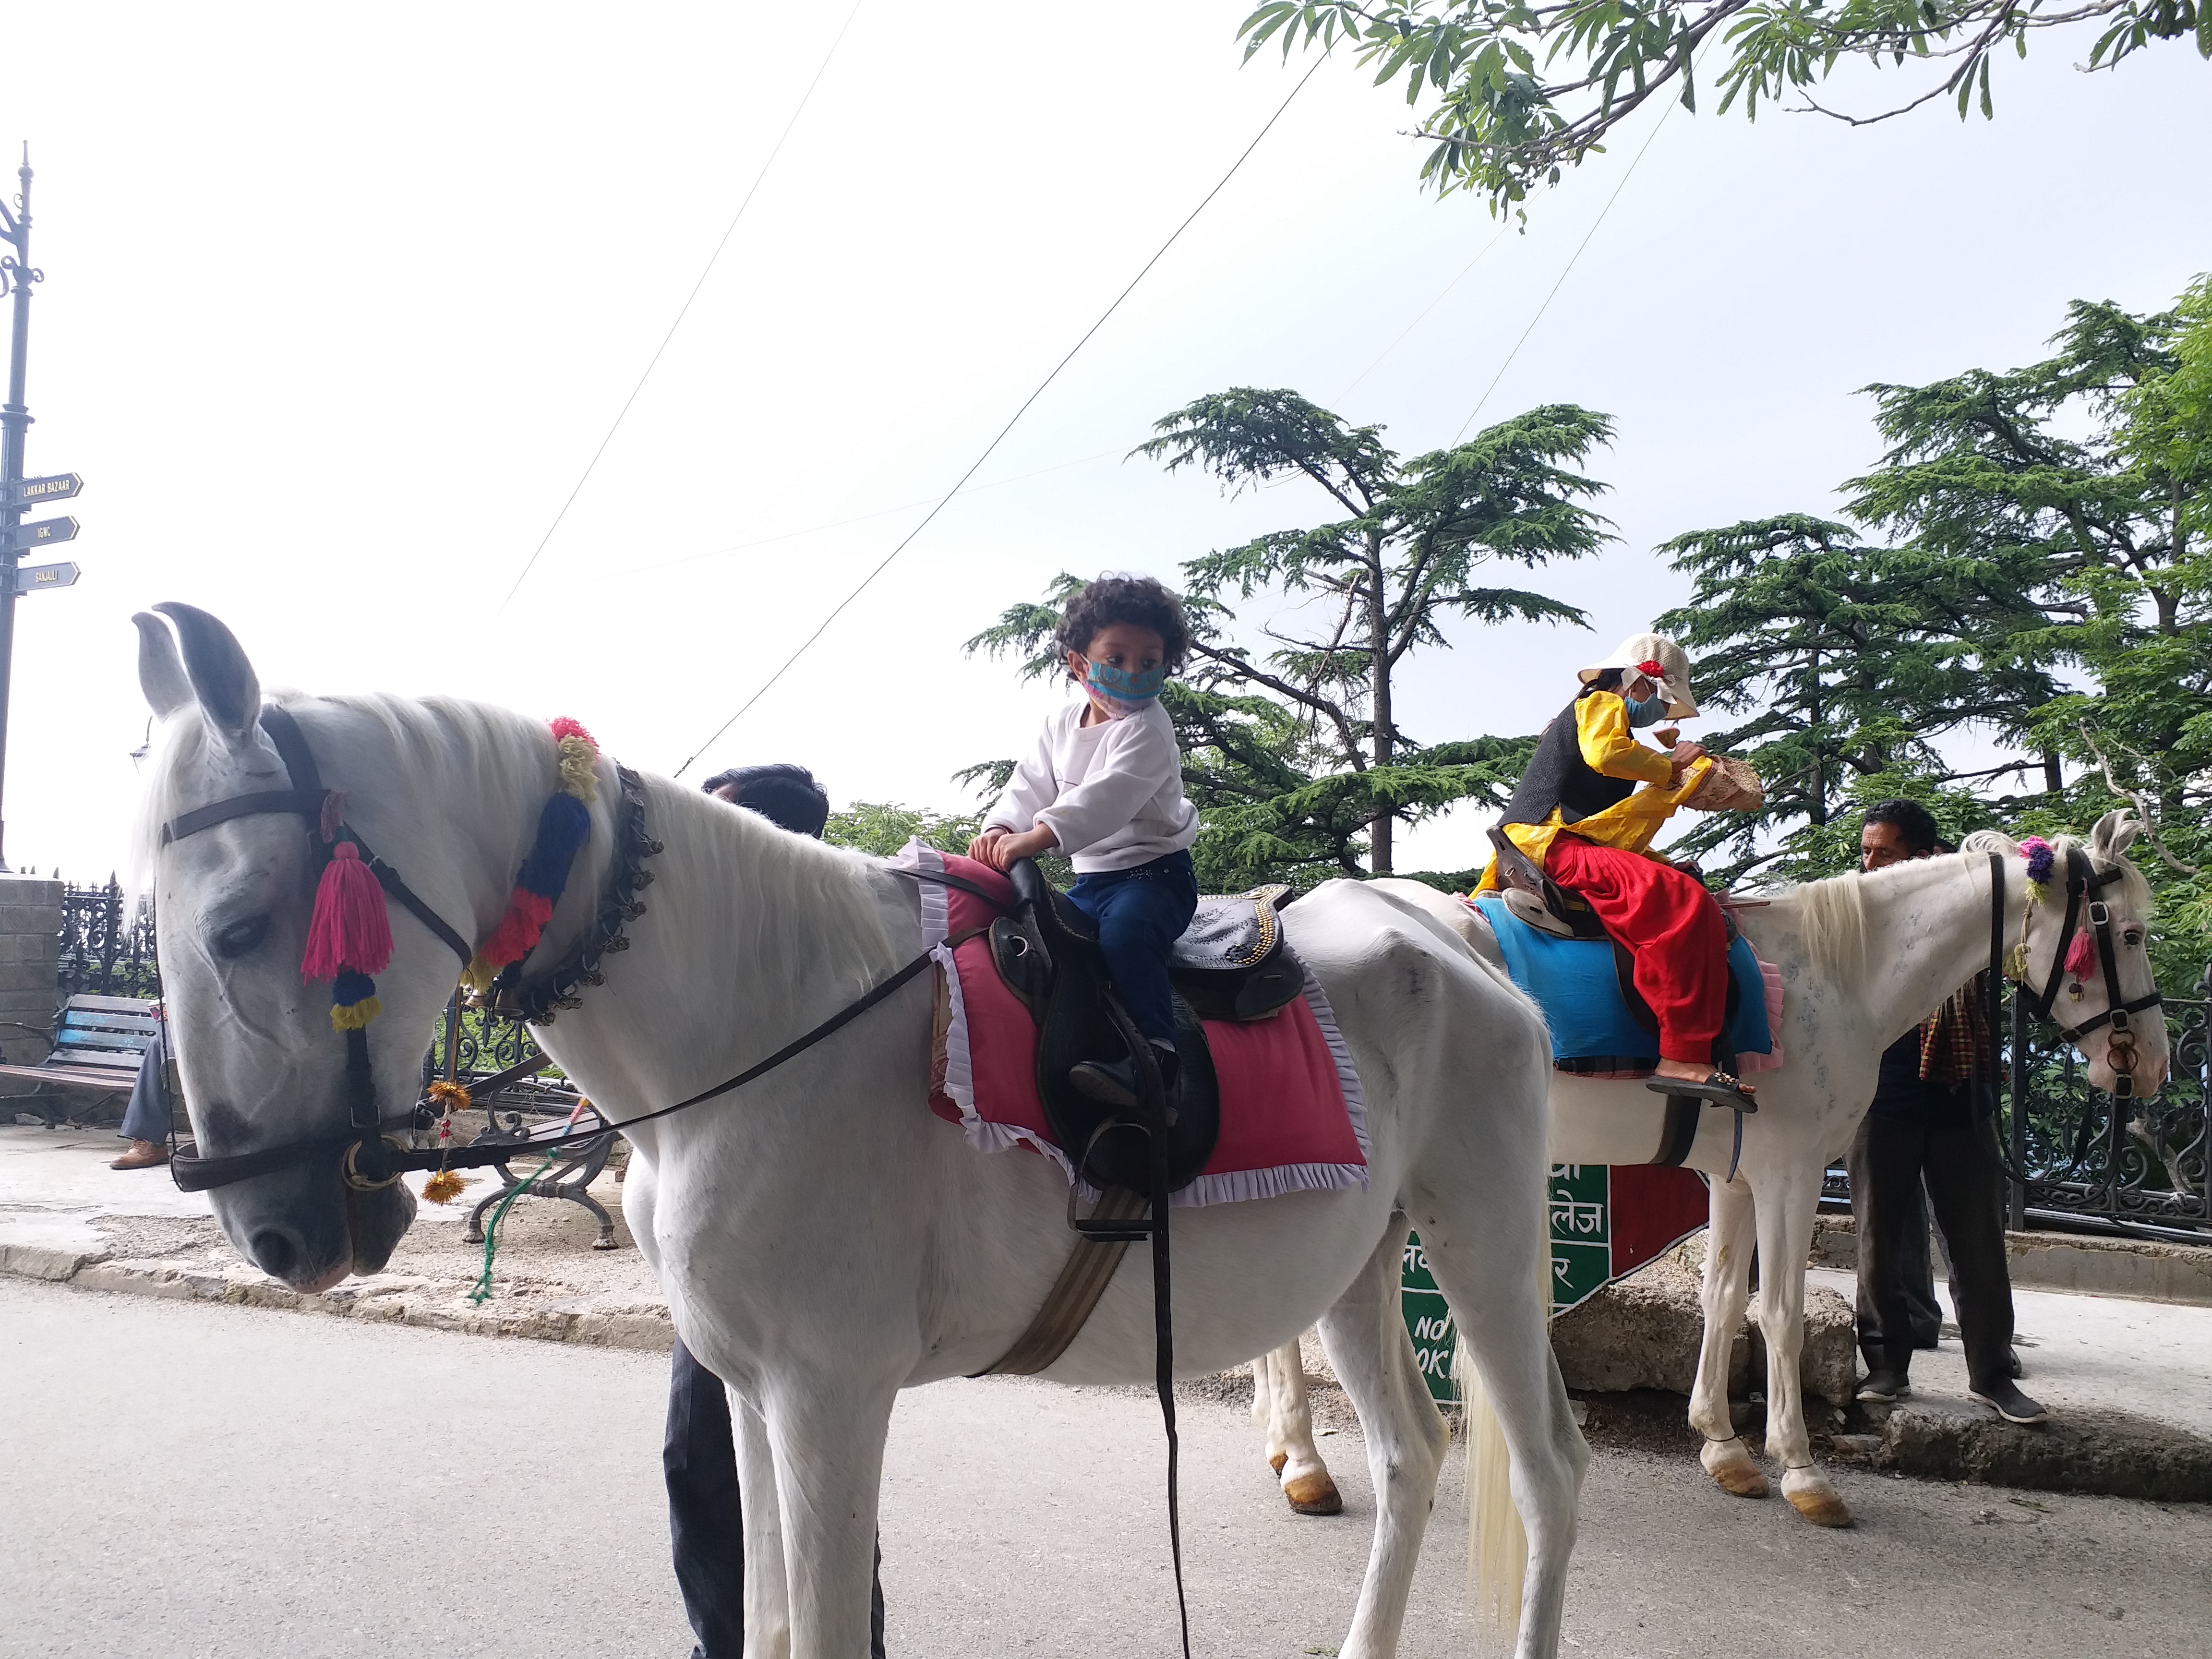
<point>1831,915</point>
<point>794,909</point>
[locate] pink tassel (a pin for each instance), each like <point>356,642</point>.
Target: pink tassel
<point>2081,956</point>
<point>351,927</point>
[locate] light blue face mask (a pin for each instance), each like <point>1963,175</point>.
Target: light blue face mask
<point>1650,712</point>
<point>1124,693</point>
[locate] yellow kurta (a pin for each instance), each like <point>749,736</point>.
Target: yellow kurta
<point>1610,747</point>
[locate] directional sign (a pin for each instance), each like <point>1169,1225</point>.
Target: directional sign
<point>46,532</point>
<point>37,492</point>
<point>41,578</point>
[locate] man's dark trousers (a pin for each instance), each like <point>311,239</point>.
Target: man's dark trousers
<point>1959,1166</point>
<point>705,1520</point>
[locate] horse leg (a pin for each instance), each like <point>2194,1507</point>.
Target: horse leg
<point>1280,1405</point>
<point>828,1437</point>
<point>767,1592</point>
<point>1785,1209</point>
<point>1373,1353</point>
<point>1496,1282</point>
<point>1727,1287</point>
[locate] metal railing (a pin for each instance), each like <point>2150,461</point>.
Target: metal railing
<point>106,951</point>
<point>2074,1161</point>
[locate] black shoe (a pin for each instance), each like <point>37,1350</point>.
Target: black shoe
<point>2009,1403</point>
<point>1886,1387</point>
<point>2014,1369</point>
<point>1110,1083</point>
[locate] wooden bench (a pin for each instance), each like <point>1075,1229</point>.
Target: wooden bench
<point>99,1043</point>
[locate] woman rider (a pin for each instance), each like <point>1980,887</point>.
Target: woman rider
<point>1585,814</point>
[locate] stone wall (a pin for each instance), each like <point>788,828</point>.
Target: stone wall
<point>30,962</point>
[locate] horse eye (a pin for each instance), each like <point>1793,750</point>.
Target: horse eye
<point>241,936</point>
<point>2134,937</point>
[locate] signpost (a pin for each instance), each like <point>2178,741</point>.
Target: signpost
<point>44,578</point>
<point>17,493</point>
<point>46,532</point>
<point>37,492</point>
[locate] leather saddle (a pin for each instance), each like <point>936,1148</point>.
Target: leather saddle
<point>1233,962</point>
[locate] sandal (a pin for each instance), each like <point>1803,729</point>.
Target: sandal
<point>1718,1089</point>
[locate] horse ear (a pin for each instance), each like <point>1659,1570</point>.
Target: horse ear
<point>221,678</point>
<point>161,671</point>
<point>2115,833</point>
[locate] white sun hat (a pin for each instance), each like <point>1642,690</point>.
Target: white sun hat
<point>1659,660</point>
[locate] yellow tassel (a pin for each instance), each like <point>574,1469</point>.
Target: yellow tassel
<point>443,1188</point>
<point>479,974</point>
<point>579,770</point>
<point>355,1015</point>
<point>2037,892</point>
<point>450,1096</point>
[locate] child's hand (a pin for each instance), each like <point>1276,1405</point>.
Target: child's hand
<point>999,848</point>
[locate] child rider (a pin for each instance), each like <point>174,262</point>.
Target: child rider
<point>1104,784</point>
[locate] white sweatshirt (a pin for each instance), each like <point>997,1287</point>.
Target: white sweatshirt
<point>1111,792</point>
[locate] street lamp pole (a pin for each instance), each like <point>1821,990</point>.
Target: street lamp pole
<point>19,274</point>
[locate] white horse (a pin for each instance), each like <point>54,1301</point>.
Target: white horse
<point>1863,959</point>
<point>823,1241</point>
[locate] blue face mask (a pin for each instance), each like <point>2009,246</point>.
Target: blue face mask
<point>1650,712</point>
<point>1122,692</point>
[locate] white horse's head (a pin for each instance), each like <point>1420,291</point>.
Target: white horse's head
<point>262,1066</point>
<point>2143,1053</point>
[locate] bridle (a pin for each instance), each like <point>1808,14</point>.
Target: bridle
<point>324,811</point>
<point>2084,883</point>
<point>368,1155</point>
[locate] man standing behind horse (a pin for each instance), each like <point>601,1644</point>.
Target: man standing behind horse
<point>1933,1119</point>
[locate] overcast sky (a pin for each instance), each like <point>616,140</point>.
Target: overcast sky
<point>338,306</point>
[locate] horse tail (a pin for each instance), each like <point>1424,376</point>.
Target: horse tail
<point>1497,1542</point>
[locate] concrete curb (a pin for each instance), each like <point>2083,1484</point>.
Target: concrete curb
<point>2140,1269</point>
<point>391,1297</point>
<point>2110,1454</point>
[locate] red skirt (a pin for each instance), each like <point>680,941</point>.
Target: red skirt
<point>1671,927</point>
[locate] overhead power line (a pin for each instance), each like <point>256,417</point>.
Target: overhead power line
<point>1557,286</point>
<point>885,563</point>
<point>682,311</point>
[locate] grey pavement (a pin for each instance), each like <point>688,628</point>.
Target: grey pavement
<point>206,1480</point>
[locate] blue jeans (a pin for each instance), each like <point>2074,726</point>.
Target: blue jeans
<point>1141,912</point>
<point>147,1117</point>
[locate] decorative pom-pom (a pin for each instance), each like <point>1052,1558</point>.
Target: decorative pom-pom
<point>2038,891</point>
<point>443,1188</point>
<point>351,927</point>
<point>516,935</point>
<point>562,726</point>
<point>2040,855</point>
<point>563,825</point>
<point>450,1096</point>
<point>355,1015</point>
<point>2081,956</point>
<point>1651,668</point>
<point>2015,963</point>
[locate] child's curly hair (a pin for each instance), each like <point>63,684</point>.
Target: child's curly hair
<point>1138,601</point>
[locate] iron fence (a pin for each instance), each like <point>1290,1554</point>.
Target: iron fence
<point>2075,1159</point>
<point>107,946</point>
<point>2078,1156</point>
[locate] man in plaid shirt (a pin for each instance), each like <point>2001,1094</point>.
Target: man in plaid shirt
<point>1933,1121</point>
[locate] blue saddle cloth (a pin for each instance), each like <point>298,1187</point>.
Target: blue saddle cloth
<point>1574,982</point>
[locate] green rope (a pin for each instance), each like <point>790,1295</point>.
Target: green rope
<point>482,1294</point>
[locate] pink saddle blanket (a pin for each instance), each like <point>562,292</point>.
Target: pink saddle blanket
<point>1292,1117</point>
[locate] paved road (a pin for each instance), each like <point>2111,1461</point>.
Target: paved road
<point>187,1480</point>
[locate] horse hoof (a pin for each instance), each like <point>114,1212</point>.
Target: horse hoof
<point>1314,1494</point>
<point>1732,1469</point>
<point>1821,1506</point>
<point>1277,1461</point>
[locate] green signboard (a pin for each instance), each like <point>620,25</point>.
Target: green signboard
<point>1606,1222</point>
